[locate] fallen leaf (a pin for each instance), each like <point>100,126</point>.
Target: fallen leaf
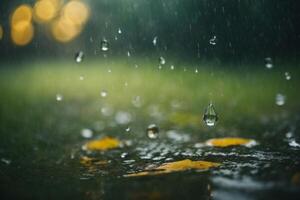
<point>230,141</point>
<point>177,166</point>
<point>103,144</point>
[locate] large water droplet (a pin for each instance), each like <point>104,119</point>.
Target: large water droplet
<point>79,56</point>
<point>210,116</point>
<point>154,41</point>
<point>103,93</point>
<point>287,76</point>
<point>59,97</point>
<point>162,60</point>
<point>86,133</point>
<point>213,40</point>
<point>152,131</point>
<point>280,99</point>
<point>268,63</point>
<point>104,45</point>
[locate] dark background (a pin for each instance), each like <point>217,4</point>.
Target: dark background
<point>245,30</point>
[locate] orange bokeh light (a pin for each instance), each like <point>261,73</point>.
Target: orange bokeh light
<point>46,10</point>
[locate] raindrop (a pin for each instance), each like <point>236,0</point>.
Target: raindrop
<point>196,71</point>
<point>162,60</point>
<point>136,101</point>
<point>107,110</point>
<point>154,41</point>
<point>152,131</point>
<point>59,97</point>
<point>128,54</point>
<point>172,67</point>
<point>124,155</point>
<point>79,56</point>
<point>268,63</point>
<point>119,31</point>
<point>126,84</point>
<point>280,99</point>
<point>213,40</point>
<point>104,45</point>
<point>81,78</point>
<point>128,129</point>
<point>123,117</point>
<point>159,67</point>
<point>86,133</point>
<point>109,70</point>
<point>103,93</point>
<point>6,161</point>
<point>287,76</point>
<point>210,116</point>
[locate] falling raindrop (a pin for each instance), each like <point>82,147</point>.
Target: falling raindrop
<point>109,70</point>
<point>287,76</point>
<point>196,71</point>
<point>136,66</point>
<point>6,161</point>
<point>159,67</point>
<point>152,131</point>
<point>81,78</point>
<point>128,54</point>
<point>104,45</point>
<point>280,99</point>
<point>154,41</point>
<point>127,129</point>
<point>103,93</point>
<point>107,110</point>
<point>210,116</point>
<point>136,101</point>
<point>172,67</point>
<point>268,63</point>
<point>86,133</point>
<point>119,31</point>
<point>162,60</point>
<point>213,40</point>
<point>59,97</point>
<point>79,56</point>
<point>126,84</point>
<point>123,117</point>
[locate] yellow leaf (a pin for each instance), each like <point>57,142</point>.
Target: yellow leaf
<point>230,141</point>
<point>177,166</point>
<point>103,144</point>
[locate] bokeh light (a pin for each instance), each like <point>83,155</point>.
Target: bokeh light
<point>46,10</point>
<point>21,25</point>
<point>71,21</point>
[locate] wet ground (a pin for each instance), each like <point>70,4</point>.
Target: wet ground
<point>48,114</point>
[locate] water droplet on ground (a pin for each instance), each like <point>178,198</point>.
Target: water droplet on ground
<point>59,97</point>
<point>213,40</point>
<point>103,93</point>
<point>287,76</point>
<point>162,60</point>
<point>104,45</point>
<point>86,133</point>
<point>280,99</point>
<point>210,116</point>
<point>152,131</point>
<point>79,56</point>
